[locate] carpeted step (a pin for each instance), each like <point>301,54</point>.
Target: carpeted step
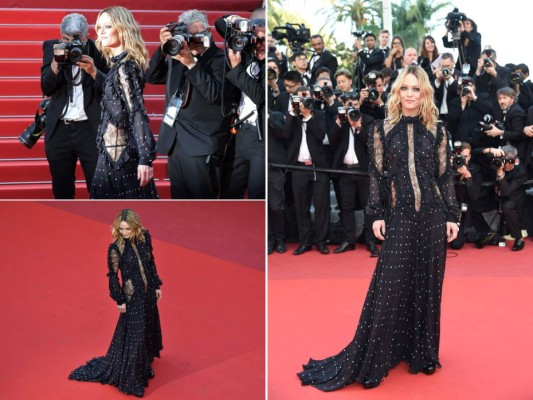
<point>21,67</point>
<point>44,190</point>
<point>37,170</point>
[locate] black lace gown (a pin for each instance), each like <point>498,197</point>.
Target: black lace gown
<point>137,338</point>
<point>124,137</point>
<point>400,320</point>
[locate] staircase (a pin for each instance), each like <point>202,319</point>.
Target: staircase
<point>24,173</point>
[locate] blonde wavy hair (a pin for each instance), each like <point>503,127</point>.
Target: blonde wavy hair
<point>428,111</point>
<point>132,219</point>
<point>129,32</point>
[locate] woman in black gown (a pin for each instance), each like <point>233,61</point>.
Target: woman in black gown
<point>137,337</point>
<point>400,320</point>
<point>126,145</point>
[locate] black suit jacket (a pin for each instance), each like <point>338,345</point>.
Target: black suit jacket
<point>56,86</point>
<point>451,91</point>
<point>328,60</point>
<point>277,146</point>
<point>529,141</point>
<point>339,137</point>
<point>515,121</point>
<point>462,124</point>
<point>467,54</point>
<point>201,128</point>
<point>372,59</point>
<point>315,134</point>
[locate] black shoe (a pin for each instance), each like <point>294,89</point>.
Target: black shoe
<point>518,244</point>
<point>280,246</point>
<point>485,239</point>
<point>429,369</point>
<point>345,246</point>
<point>370,384</point>
<point>151,373</point>
<point>270,248</point>
<point>322,248</point>
<point>302,249</point>
<point>373,249</point>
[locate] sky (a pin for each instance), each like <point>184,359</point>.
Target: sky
<point>506,26</point>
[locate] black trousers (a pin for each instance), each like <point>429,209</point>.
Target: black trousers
<point>513,212</point>
<point>354,187</point>
<point>248,167</point>
<point>193,177</point>
<point>70,143</point>
<point>276,202</point>
<point>312,186</point>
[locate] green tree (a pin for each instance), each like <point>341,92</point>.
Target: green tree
<point>411,19</point>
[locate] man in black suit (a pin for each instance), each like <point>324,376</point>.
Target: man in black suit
<point>321,58</point>
<point>73,115</point>
<point>304,132</point>
<point>193,135</point>
<point>371,57</point>
<point>248,75</point>
<point>523,85</point>
<point>349,138</point>
<point>528,132</point>
<point>445,85</point>
<point>490,76</point>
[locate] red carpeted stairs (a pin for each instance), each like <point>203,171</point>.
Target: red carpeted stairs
<point>24,173</point>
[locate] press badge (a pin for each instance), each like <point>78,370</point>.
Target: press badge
<point>172,111</point>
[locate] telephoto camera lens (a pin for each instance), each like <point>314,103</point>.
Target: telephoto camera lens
<point>308,103</point>
<point>458,161</point>
<point>373,94</point>
<point>496,163</point>
<point>446,72</point>
<point>465,90</point>
<point>271,74</point>
<point>174,45</point>
<point>487,63</point>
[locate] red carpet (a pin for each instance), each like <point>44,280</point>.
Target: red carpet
<point>487,322</point>
<point>57,314</point>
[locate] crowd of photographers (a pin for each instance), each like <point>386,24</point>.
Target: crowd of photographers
<point>213,126</point>
<point>320,117</point>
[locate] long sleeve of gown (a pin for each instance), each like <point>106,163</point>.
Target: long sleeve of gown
<point>115,291</point>
<point>375,208</point>
<point>444,175</point>
<point>151,260</point>
<point>132,84</point>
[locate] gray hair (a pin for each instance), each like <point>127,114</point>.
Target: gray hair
<point>193,16</point>
<point>510,152</point>
<point>74,24</point>
<point>506,91</point>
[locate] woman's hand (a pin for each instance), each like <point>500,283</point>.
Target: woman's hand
<point>122,308</point>
<point>451,231</point>
<point>158,294</point>
<point>144,174</point>
<point>379,229</point>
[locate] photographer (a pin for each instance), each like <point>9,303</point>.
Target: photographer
<point>490,76</point>
<point>528,133</point>
<point>510,179</point>
<point>304,132</point>
<point>468,180</point>
<point>371,57</point>
<point>348,137</point>
<point>194,140</point>
<point>522,85</point>
<point>73,115</point>
<point>445,85</point>
<point>274,82</point>
<point>321,58</point>
<point>466,110</point>
<point>248,75</point>
<point>465,38</point>
<point>273,52</point>
<point>373,96</point>
<point>514,120</point>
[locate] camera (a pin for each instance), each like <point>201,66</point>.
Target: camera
<point>322,91</point>
<point>295,103</point>
<point>308,102</point>
<point>69,52</point>
<point>446,72</point>
<point>32,133</point>
<point>517,78</point>
<point>452,23</point>
<point>296,34</point>
<point>241,35</point>
<point>465,90</point>
<point>353,113</point>
<point>359,33</point>
<point>498,162</point>
<point>458,160</point>
<point>488,121</point>
<point>344,97</point>
<point>179,35</point>
<point>488,62</point>
<point>341,111</point>
<point>370,81</point>
<point>271,74</point>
